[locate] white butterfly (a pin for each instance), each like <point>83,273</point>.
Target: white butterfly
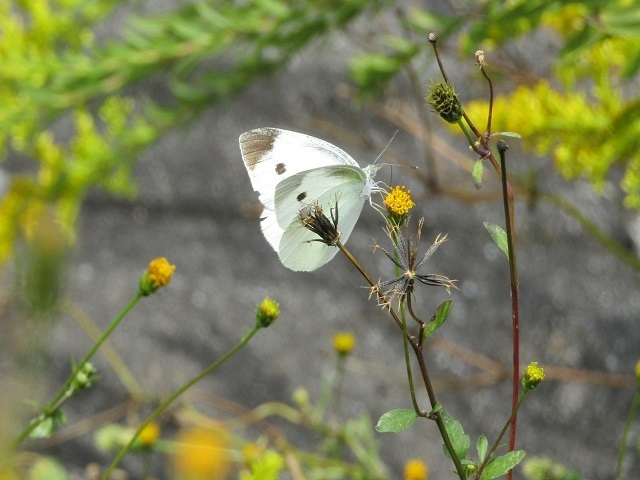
<point>290,171</point>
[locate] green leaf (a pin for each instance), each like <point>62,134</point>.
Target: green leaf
<point>460,441</point>
<point>476,174</point>
<point>499,237</point>
<point>482,447</point>
<point>439,318</point>
<point>47,469</point>
<point>396,421</point>
<point>506,134</point>
<point>501,465</point>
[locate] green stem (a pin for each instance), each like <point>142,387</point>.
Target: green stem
<point>64,393</point>
<point>635,404</point>
<point>407,360</point>
<point>418,351</point>
<point>169,400</point>
<point>495,445</point>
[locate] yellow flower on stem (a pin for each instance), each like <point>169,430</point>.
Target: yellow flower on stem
<point>344,342</point>
<point>533,375</point>
<point>149,435</point>
<point>416,470</point>
<point>201,454</point>
<point>158,274</point>
<point>267,312</point>
<point>398,202</point>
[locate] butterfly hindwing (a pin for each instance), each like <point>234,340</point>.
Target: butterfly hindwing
<point>298,248</point>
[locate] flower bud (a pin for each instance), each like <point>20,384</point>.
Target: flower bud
<point>267,312</point>
<point>533,375</point>
<point>442,97</point>
<point>158,274</point>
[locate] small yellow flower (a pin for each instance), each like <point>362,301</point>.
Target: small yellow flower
<point>638,371</point>
<point>533,375</point>
<point>398,202</point>
<point>149,434</point>
<point>416,470</point>
<point>344,342</point>
<point>158,274</point>
<point>201,454</point>
<point>267,312</point>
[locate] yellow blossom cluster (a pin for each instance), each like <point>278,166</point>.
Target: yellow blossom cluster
<point>398,201</point>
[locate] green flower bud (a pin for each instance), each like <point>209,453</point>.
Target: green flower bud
<point>267,312</point>
<point>442,97</point>
<point>533,375</point>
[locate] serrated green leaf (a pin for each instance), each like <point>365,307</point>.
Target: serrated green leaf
<point>499,236</point>
<point>500,466</point>
<point>439,318</point>
<point>476,173</point>
<point>482,445</point>
<point>396,421</point>
<point>460,441</point>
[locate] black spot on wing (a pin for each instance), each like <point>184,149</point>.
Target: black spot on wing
<point>281,168</point>
<point>301,196</point>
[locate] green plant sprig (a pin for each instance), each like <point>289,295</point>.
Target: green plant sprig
<point>267,313</point>
<point>446,103</point>
<point>418,352</point>
<point>66,391</point>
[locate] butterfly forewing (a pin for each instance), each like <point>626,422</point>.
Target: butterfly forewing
<point>271,155</point>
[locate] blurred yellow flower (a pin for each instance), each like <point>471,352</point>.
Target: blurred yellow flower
<point>201,454</point>
<point>344,342</point>
<point>638,370</point>
<point>149,434</point>
<point>416,470</point>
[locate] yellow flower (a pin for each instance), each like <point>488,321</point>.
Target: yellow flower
<point>344,342</point>
<point>267,312</point>
<point>158,274</point>
<point>201,454</point>
<point>398,200</point>
<point>638,370</point>
<point>533,375</point>
<point>149,434</point>
<point>416,470</point>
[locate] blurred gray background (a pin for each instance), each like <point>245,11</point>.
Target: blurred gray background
<point>579,304</point>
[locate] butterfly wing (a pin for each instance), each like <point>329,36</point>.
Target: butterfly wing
<point>271,155</point>
<point>324,186</point>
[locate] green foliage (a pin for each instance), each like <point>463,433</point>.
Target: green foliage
<point>499,236</point>
<point>396,420</point>
<point>53,68</point>
<point>460,440</point>
<point>541,468</point>
<point>441,315</point>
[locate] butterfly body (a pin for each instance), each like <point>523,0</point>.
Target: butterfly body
<point>291,171</point>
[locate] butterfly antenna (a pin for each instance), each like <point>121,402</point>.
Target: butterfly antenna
<point>386,147</point>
